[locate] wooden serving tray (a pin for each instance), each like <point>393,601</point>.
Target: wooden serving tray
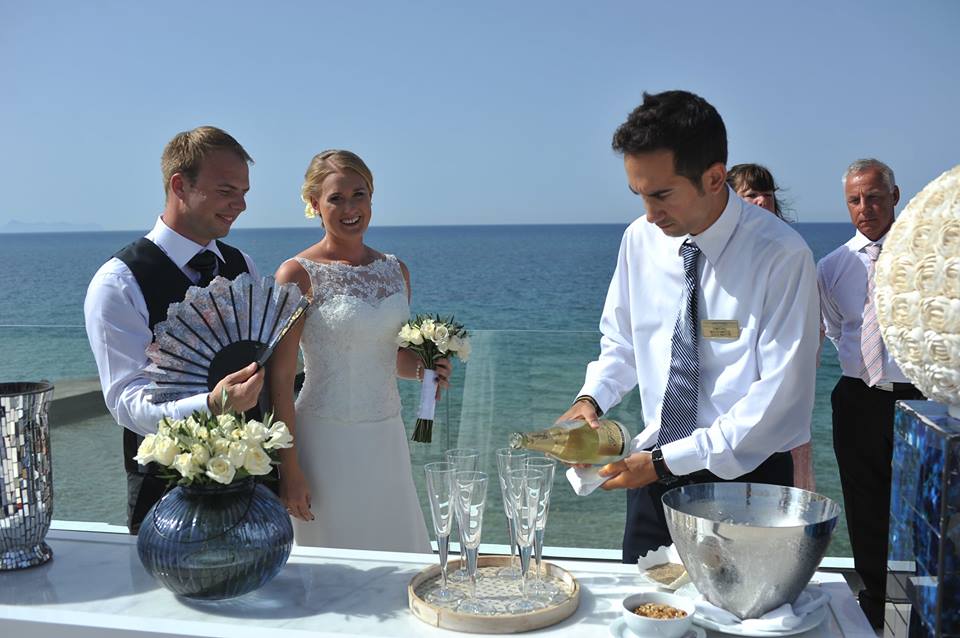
<point>497,591</point>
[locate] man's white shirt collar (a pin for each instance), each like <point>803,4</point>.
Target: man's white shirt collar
<point>861,241</point>
<point>715,238</point>
<point>178,248</point>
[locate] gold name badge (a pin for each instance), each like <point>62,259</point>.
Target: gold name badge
<point>720,329</point>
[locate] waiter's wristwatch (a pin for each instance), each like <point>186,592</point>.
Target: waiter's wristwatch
<point>664,475</point>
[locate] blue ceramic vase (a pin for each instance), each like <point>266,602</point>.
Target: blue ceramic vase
<point>213,542</point>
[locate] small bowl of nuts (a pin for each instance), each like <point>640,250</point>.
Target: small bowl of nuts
<point>658,614</point>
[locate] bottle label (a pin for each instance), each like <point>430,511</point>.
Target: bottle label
<point>612,441</point>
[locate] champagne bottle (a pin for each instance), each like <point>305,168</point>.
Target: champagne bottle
<point>577,442</point>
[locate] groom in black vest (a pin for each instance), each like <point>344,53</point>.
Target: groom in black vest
<point>206,178</point>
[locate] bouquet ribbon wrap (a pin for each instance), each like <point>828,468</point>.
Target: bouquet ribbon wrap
<point>428,395</point>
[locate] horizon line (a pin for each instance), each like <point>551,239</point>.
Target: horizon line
<point>518,224</point>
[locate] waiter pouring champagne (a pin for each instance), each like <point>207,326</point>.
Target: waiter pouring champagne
<point>712,310</point>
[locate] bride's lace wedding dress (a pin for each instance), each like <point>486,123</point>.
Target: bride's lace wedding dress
<point>350,437</point>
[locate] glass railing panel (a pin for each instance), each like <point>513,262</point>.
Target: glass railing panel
<point>515,380</point>
<point>89,483</point>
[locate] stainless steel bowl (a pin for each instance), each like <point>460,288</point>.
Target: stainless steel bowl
<point>749,547</point>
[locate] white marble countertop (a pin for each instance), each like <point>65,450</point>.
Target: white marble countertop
<point>95,586</point>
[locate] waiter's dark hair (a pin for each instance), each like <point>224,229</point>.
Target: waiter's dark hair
<point>676,121</point>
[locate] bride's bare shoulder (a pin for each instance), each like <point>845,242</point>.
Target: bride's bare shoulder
<point>292,271</point>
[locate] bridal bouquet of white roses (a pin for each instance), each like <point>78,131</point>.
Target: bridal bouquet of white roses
<point>432,337</point>
<point>206,448</point>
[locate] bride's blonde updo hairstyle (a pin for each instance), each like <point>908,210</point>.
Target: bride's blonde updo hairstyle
<point>325,163</point>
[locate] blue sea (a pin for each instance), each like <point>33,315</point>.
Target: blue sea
<point>531,295</point>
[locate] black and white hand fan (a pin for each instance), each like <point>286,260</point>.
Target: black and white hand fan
<point>218,330</point>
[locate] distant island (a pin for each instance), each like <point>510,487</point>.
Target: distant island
<point>17,226</point>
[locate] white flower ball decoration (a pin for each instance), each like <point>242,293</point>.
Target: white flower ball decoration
<point>918,290</point>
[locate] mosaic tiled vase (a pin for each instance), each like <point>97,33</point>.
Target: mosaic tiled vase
<point>925,515</point>
<point>26,481</point>
<point>212,542</point>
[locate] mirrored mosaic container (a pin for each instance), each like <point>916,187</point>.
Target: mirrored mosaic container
<point>26,481</point>
<point>925,515</point>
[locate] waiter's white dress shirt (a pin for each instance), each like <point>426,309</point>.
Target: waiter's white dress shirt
<point>756,390</point>
<point>842,279</point>
<point>117,322</point>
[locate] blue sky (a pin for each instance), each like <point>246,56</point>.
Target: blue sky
<point>468,113</point>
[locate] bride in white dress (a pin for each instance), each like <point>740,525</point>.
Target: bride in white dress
<point>347,481</point>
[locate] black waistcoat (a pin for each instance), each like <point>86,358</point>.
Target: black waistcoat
<point>162,284</point>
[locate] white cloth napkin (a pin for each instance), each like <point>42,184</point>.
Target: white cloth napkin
<point>585,480</point>
<point>785,616</point>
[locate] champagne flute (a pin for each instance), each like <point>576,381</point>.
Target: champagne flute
<point>440,490</point>
<point>540,588</point>
<point>470,498</point>
<point>509,459</point>
<point>465,459</point>
<point>524,488</point>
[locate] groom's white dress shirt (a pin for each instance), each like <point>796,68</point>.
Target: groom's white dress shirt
<point>842,278</point>
<point>756,390</point>
<point>117,323</point>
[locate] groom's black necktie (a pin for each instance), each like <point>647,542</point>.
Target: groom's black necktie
<point>205,263</point>
<point>678,414</point>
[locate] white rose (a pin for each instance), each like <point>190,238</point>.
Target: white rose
<point>414,336</point>
<point>927,278</point>
<point>924,232</point>
<point>203,433</point>
<point>145,453</point>
<point>256,462</point>
<point>441,333</point>
<point>165,427</point>
<point>227,422</point>
<point>948,238</point>
<point>221,447</point>
<point>902,274</point>
<point>164,450</point>
<point>199,453</point>
<point>280,437</point>
<point>254,431</point>
<point>453,345</point>
<point>911,346</point>
<point>191,425</point>
<point>951,277</point>
<point>221,470</point>
<point>905,309</point>
<point>442,345</point>
<point>427,328</point>
<point>185,464</point>
<point>942,350</point>
<point>238,451</point>
<point>946,384</point>
<point>940,314</point>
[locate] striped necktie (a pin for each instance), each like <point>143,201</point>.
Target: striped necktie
<point>871,342</point>
<point>678,414</point>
